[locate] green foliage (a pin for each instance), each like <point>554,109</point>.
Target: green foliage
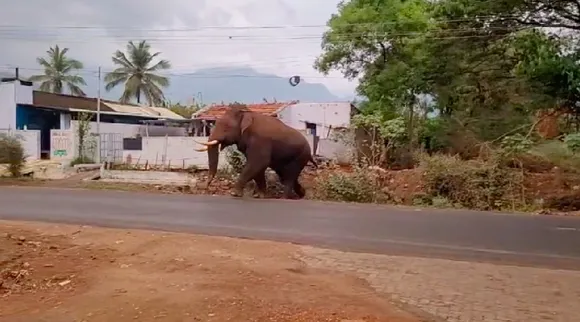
<point>359,186</point>
<point>81,160</point>
<point>558,154</point>
<point>183,110</point>
<point>58,73</point>
<point>383,134</point>
<point>12,154</point>
<point>572,142</point>
<point>473,184</point>
<point>516,144</point>
<point>137,71</point>
<point>86,143</point>
<point>236,159</point>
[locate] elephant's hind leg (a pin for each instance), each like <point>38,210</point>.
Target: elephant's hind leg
<point>261,186</point>
<point>299,189</point>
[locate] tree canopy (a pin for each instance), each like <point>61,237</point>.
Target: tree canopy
<point>59,72</point>
<point>457,68</point>
<point>138,72</point>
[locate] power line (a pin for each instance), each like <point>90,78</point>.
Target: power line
<point>272,39</point>
<point>474,19</point>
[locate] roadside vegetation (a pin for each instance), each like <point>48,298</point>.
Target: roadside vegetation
<point>477,98</point>
<point>12,154</point>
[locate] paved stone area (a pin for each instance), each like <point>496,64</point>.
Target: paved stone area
<point>457,291</point>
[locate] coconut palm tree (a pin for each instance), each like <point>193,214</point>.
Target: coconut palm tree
<point>137,71</point>
<point>58,69</point>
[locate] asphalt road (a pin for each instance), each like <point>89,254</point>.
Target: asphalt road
<point>464,235</point>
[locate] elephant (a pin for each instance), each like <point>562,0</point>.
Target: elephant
<point>266,142</point>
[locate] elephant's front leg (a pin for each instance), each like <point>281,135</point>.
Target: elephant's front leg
<point>249,172</point>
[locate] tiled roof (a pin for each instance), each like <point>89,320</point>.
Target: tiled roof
<point>216,111</point>
<point>61,101</point>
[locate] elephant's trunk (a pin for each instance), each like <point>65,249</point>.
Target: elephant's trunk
<point>213,156</point>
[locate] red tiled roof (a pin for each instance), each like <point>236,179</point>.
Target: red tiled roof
<point>216,111</point>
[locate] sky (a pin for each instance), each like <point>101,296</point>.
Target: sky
<point>192,34</point>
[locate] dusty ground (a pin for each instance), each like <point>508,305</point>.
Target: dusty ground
<point>72,273</point>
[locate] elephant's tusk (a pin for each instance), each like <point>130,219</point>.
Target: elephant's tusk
<point>202,149</point>
<point>214,142</point>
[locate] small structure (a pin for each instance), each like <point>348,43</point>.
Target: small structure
<point>316,119</point>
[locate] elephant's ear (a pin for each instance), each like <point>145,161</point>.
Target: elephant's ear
<point>247,120</point>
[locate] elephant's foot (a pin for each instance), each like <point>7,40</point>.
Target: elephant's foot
<point>259,195</point>
<point>237,193</point>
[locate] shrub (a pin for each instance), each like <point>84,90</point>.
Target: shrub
<point>12,153</point>
<point>572,142</point>
<point>236,160</point>
<point>81,160</point>
<point>361,185</point>
<point>484,185</point>
<point>559,154</point>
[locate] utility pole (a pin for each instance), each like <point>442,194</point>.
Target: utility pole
<point>99,117</point>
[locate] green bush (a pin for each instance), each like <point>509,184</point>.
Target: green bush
<point>236,160</point>
<point>81,160</point>
<point>483,185</point>
<point>359,186</point>
<point>559,154</point>
<point>12,153</point>
<point>572,142</point>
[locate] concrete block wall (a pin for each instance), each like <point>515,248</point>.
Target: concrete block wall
<point>30,140</point>
<point>335,150</point>
<point>176,152</point>
<point>131,130</point>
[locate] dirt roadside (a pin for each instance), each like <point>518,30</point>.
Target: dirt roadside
<point>71,273</point>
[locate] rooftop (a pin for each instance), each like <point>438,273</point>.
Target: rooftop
<point>214,112</point>
<point>89,104</point>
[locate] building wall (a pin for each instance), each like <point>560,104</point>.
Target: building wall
<point>7,106</point>
<point>30,141</point>
<point>324,115</point>
<point>177,152</point>
<point>131,130</point>
<point>23,93</point>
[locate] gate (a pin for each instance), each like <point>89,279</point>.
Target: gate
<point>111,147</point>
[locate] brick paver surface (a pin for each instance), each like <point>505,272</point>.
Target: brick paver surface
<point>462,291</point>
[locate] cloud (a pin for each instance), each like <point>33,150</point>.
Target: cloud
<point>177,28</point>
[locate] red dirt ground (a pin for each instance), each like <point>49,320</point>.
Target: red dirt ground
<point>72,273</point>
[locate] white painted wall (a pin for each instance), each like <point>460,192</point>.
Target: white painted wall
<point>30,140</point>
<point>131,130</point>
<point>23,93</point>
<point>335,150</point>
<point>62,145</point>
<point>324,115</point>
<point>177,152</point>
<point>7,106</point>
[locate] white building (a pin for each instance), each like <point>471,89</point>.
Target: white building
<point>22,108</point>
<point>317,119</point>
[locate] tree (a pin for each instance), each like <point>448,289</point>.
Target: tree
<point>137,70</point>
<point>183,110</point>
<point>58,69</point>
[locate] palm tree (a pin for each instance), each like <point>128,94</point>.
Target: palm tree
<point>137,70</point>
<point>57,73</point>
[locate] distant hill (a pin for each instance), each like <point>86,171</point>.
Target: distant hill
<point>241,84</point>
